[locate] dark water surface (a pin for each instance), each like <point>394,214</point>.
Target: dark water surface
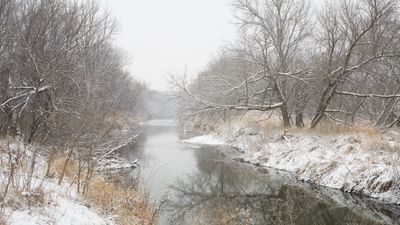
<point>205,186</point>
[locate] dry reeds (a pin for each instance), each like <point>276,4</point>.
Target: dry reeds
<point>128,206</point>
<point>125,204</point>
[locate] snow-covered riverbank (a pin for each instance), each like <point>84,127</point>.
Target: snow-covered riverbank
<point>61,205</point>
<point>32,198</point>
<point>363,163</point>
<point>43,201</point>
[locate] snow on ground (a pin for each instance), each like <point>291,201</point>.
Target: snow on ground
<point>52,204</point>
<point>61,206</point>
<point>340,162</point>
<point>116,163</point>
<point>209,139</point>
<point>60,211</point>
<point>353,162</point>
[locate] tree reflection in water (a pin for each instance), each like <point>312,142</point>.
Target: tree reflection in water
<point>228,194</point>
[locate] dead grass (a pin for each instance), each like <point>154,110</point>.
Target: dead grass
<point>20,192</point>
<point>272,123</point>
<point>326,128</point>
<point>58,165</point>
<point>3,220</point>
<point>36,197</point>
<point>127,205</point>
<point>257,120</point>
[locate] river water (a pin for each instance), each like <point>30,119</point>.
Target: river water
<point>204,185</point>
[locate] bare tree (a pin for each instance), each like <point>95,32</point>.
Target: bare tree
<point>63,84</point>
<point>278,29</point>
<point>7,25</point>
<point>259,71</point>
<point>346,72</point>
<point>354,36</point>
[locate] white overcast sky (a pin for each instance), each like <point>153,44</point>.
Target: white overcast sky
<point>167,36</point>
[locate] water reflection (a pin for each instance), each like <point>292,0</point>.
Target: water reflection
<point>226,193</point>
<point>206,187</point>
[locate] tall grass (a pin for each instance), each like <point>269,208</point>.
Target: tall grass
<point>126,205</point>
<point>3,220</point>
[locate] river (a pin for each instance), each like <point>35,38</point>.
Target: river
<point>205,186</point>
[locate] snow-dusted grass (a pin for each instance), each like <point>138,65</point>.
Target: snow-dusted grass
<point>340,162</point>
<point>351,162</point>
<point>358,160</point>
<point>45,202</point>
<point>127,206</point>
<point>60,208</point>
<point>2,219</point>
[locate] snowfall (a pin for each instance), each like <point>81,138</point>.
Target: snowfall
<point>352,162</point>
<point>61,204</point>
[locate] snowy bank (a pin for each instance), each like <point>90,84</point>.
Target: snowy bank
<point>43,201</point>
<point>34,199</point>
<point>61,206</point>
<point>115,163</point>
<point>352,162</point>
<point>209,139</point>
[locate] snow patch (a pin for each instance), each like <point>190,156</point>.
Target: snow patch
<point>116,163</point>
<point>205,140</point>
<point>62,211</point>
<point>61,204</point>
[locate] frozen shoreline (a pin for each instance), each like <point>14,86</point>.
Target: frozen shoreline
<point>355,163</point>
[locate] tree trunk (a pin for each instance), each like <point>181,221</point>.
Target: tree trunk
<point>69,155</point>
<point>285,115</point>
<point>323,104</point>
<point>284,108</point>
<point>299,120</point>
<point>4,78</point>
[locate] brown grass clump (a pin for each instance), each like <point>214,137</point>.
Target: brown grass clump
<point>126,204</point>
<point>58,165</point>
<point>2,219</point>
<point>271,123</point>
<point>37,197</point>
<point>326,128</point>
